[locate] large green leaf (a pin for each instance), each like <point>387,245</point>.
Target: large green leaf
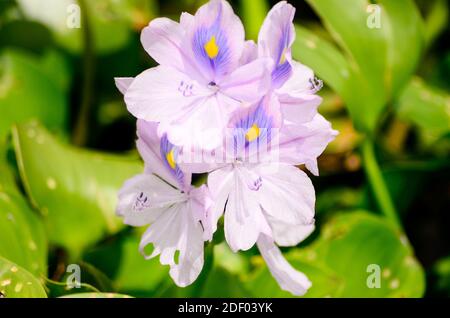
<point>16,282</point>
<point>74,189</point>
<point>122,262</point>
<point>337,262</point>
<point>109,21</point>
<point>371,68</point>
<point>441,271</point>
<point>22,235</point>
<point>26,91</point>
<point>426,107</point>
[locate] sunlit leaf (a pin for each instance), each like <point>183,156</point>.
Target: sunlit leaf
<point>108,22</point>
<point>337,262</point>
<point>75,190</point>
<point>27,92</point>
<point>16,282</point>
<point>425,107</point>
<point>371,68</point>
<point>436,20</point>
<point>22,234</point>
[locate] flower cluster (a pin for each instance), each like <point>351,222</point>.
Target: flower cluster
<point>243,112</point>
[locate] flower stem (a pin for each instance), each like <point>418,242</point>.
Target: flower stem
<point>80,131</point>
<point>207,268</point>
<point>378,183</point>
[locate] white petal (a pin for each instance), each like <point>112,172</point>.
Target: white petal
<point>177,231</point>
<point>163,94</point>
<point>288,234</point>
<point>286,193</point>
<point>302,144</point>
<point>244,220</point>
<point>299,82</point>
<point>249,82</point>
<point>144,197</point>
<point>220,184</point>
<point>287,277</point>
<point>201,127</point>
<point>122,83</point>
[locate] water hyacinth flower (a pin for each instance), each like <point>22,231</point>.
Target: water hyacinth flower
<point>177,212</point>
<point>260,105</point>
<point>200,80</point>
<point>267,200</point>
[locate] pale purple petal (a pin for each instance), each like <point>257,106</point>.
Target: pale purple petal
<point>202,205</point>
<point>122,83</point>
<point>300,83</point>
<point>248,83</point>
<point>220,184</point>
<point>155,157</point>
<point>163,94</point>
<point>302,144</point>
<point>143,198</point>
<point>299,110</point>
<point>288,234</point>
<point>244,219</point>
<point>288,278</point>
<point>202,125</point>
<point>177,231</point>
<point>216,39</point>
<point>252,130</point>
<point>275,40</point>
<point>250,52</point>
<point>286,194</point>
<point>162,39</point>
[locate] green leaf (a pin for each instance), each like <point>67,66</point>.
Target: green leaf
<point>321,55</point>
<point>404,36</point>
<point>74,189</point>
<point>26,91</point>
<point>16,282</point>
<point>108,23</point>
<point>426,107</point>
<point>221,283</point>
<point>96,295</point>
<point>337,262</point>
<point>130,272</point>
<point>253,15</point>
<point>22,234</point>
<point>371,69</point>
<point>436,20</point>
<point>442,272</point>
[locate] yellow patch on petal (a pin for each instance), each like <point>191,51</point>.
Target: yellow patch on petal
<point>252,133</point>
<point>211,48</point>
<point>283,57</point>
<point>171,159</point>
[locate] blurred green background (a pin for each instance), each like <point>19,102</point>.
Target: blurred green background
<point>67,144</point>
